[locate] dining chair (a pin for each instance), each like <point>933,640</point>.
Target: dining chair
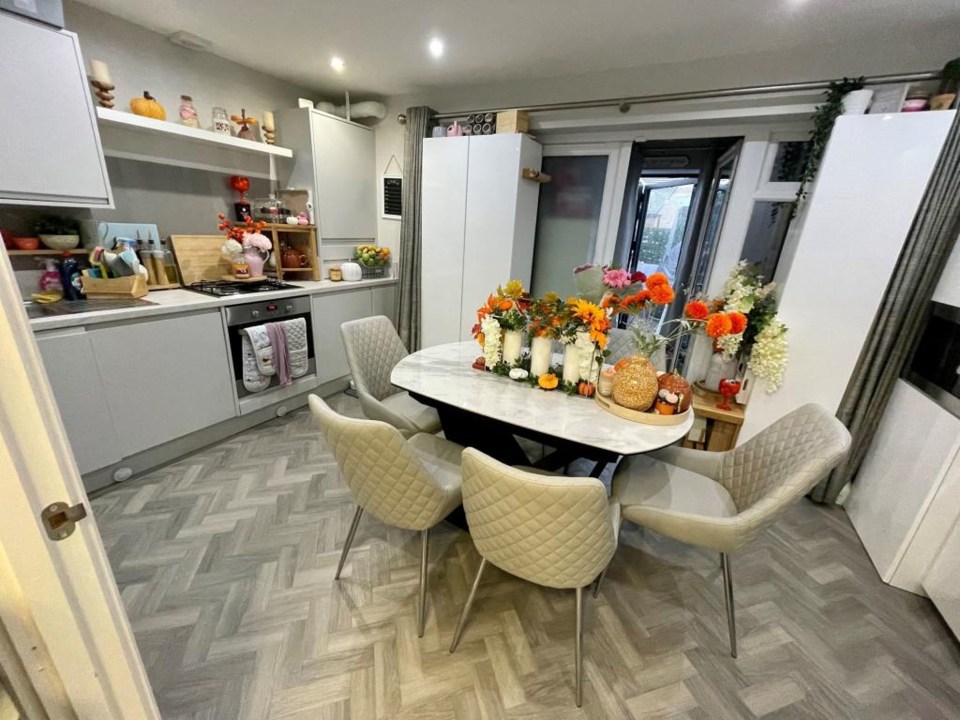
<point>410,483</point>
<point>373,349</point>
<point>621,344</point>
<point>560,532</point>
<point>721,500</point>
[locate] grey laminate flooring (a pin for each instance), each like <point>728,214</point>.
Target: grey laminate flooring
<point>226,560</point>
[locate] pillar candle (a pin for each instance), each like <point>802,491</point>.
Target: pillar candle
<point>268,120</point>
<point>100,72</point>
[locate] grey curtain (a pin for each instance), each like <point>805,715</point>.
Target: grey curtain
<point>900,316</point>
<point>408,302</point>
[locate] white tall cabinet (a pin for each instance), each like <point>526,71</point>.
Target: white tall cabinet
<point>478,221</point>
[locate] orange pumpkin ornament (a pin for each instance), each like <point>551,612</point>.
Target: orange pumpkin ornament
<point>586,389</point>
<point>676,384</point>
<point>548,381</point>
<point>147,106</point>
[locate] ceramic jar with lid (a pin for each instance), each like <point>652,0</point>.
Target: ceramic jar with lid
<point>351,271</point>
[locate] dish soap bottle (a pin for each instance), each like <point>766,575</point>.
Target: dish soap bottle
<point>70,278</point>
<point>50,278</point>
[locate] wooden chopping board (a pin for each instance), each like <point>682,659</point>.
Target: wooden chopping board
<point>199,258</point>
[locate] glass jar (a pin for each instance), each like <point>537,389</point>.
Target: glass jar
<point>270,210</point>
<point>188,113</point>
<point>221,123</point>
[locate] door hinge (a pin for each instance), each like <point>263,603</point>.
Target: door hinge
<point>60,519</point>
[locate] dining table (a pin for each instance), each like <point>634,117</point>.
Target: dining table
<point>488,412</point>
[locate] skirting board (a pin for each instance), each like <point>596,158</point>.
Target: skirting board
<point>143,462</point>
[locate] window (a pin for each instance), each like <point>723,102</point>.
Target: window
<point>766,232</point>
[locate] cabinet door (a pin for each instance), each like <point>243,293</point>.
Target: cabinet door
<point>385,301</point>
<point>329,311</point>
<point>165,378</point>
<point>50,152</point>
<point>444,203</point>
<point>75,381</point>
<point>344,155</point>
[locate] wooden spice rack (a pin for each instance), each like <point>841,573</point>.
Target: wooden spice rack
<point>302,238</point>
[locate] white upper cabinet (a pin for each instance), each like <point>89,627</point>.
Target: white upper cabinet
<point>50,153</point>
<point>335,159</point>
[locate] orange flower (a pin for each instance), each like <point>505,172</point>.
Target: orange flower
<point>506,304</point>
<point>657,279</point>
<point>609,300</point>
<point>696,310</point>
<point>662,294</point>
<point>636,300</point>
<point>718,325</point>
<point>738,322</point>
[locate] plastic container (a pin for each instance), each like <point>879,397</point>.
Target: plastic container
<point>50,278</point>
<point>70,278</point>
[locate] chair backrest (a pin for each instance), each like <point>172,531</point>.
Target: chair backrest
<point>554,531</point>
<point>383,473</point>
<point>373,349</point>
<point>785,460</point>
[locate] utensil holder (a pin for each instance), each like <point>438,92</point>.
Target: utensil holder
<point>132,286</point>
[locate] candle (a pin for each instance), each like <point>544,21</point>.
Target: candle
<point>268,120</point>
<point>100,72</point>
<point>605,385</point>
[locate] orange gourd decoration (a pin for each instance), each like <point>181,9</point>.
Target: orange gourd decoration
<point>586,389</point>
<point>548,381</point>
<point>621,363</point>
<point>147,106</point>
<point>676,384</point>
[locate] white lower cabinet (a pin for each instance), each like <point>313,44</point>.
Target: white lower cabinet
<point>164,378</point>
<point>385,301</point>
<point>329,311</point>
<point>75,380</point>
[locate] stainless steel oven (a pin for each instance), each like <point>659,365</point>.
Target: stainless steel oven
<point>247,315</point>
<point>934,367</point>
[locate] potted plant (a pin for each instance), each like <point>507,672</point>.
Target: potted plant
<point>58,233</point>
<point>949,85</point>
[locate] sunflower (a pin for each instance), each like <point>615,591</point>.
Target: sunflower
<point>738,322</point>
<point>718,325</point>
<point>696,310</point>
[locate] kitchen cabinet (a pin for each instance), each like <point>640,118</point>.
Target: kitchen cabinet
<point>165,378</point>
<point>72,371</point>
<point>51,153</point>
<point>335,159</point>
<point>329,311</point>
<point>478,218</point>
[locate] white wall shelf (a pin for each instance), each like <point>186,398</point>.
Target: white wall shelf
<point>133,137</point>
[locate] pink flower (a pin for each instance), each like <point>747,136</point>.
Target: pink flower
<point>616,278</point>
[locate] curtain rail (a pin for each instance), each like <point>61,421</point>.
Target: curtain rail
<point>626,102</point>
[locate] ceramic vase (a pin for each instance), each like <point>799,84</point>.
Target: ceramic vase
<point>255,261</point>
<point>719,369</point>
<point>512,345</point>
<point>541,349</point>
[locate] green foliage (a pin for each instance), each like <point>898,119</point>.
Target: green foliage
<point>53,225</point>
<point>824,117</point>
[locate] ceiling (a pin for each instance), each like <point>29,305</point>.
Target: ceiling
<point>384,42</point>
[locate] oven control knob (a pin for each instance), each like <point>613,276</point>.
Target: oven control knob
<point>254,313</point>
<point>289,308</point>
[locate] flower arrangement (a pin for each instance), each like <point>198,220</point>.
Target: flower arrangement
<point>504,310</point>
<point>241,238</point>
<point>592,282</point>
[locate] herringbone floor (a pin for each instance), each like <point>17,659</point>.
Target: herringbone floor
<point>226,561</point>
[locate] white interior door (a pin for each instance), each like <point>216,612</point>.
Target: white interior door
<point>59,603</point>
<point>579,211</point>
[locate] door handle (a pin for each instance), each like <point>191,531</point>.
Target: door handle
<point>60,519</point>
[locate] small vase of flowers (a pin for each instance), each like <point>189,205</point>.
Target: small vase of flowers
<point>245,247</point>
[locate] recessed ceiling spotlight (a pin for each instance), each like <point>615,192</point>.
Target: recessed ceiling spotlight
<point>337,63</point>
<point>436,47</point>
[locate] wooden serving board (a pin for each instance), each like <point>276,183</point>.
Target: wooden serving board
<point>648,418</point>
<point>199,258</point>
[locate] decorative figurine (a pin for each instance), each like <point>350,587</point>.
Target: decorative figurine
<point>244,122</point>
<point>102,83</point>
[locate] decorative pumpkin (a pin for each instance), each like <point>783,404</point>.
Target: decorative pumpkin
<point>518,374</point>
<point>586,389</point>
<point>480,363</point>
<point>635,385</point>
<point>621,363</point>
<point>663,407</point>
<point>548,381</point>
<point>677,384</point>
<point>147,106</point>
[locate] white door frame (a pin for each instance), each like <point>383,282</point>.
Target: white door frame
<point>59,602</point>
<point>614,184</point>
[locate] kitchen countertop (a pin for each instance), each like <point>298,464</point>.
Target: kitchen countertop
<point>169,302</point>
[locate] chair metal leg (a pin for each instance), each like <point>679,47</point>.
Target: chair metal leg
<point>467,607</point>
<point>600,577</point>
<point>579,647</point>
<point>728,597</point>
<point>349,542</point>
<point>424,547</point>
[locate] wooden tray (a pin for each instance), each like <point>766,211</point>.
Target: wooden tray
<point>648,418</point>
<point>258,278</point>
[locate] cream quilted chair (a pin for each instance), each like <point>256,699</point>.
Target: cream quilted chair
<point>721,500</point>
<point>408,483</point>
<point>373,349</point>
<point>555,531</point>
<point>620,343</point>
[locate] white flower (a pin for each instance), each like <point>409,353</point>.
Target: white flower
<point>587,355</point>
<point>768,359</point>
<point>730,345</point>
<point>492,345</point>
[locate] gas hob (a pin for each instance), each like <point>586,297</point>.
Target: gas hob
<point>222,288</point>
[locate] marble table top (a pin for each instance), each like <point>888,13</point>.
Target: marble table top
<point>444,373</point>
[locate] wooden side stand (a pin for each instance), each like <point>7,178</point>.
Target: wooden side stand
<point>303,238</point>
<point>723,426</point>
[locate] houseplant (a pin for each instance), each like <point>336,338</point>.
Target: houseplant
<point>58,233</point>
